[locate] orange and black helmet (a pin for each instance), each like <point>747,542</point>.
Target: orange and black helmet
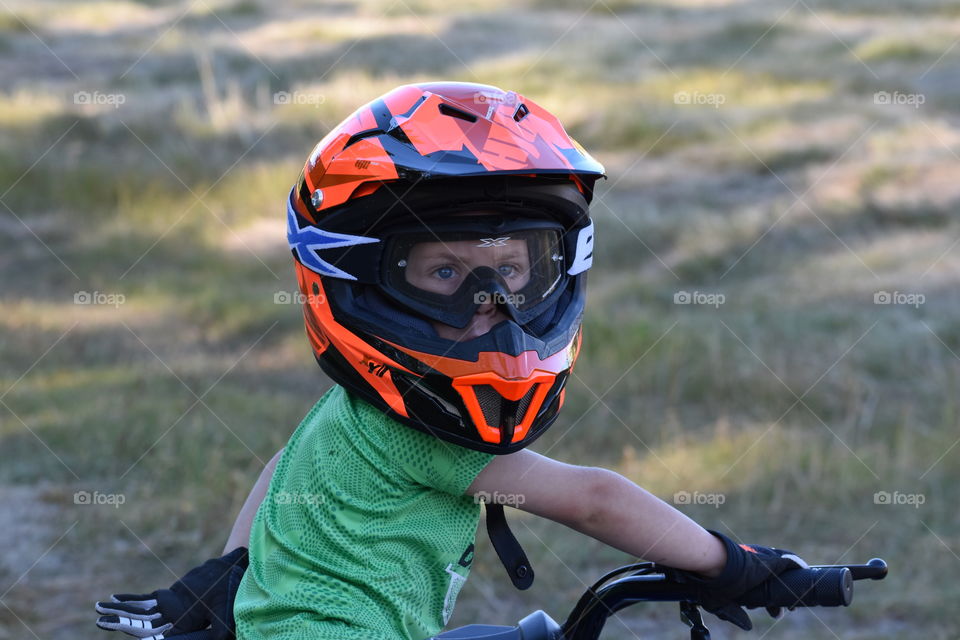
<point>429,165</point>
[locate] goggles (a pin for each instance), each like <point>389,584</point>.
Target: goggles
<point>447,272</point>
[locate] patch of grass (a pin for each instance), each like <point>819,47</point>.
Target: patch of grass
<point>122,411</point>
<point>24,110</point>
<point>666,394</point>
<point>11,23</point>
<point>211,16</point>
<point>877,176</point>
<point>93,189</point>
<point>380,9</point>
<point>96,17</point>
<point>890,8</point>
<point>733,88</point>
<point>789,159</point>
<point>728,43</point>
<point>894,48</point>
<point>622,128</point>
<point>921,216</point>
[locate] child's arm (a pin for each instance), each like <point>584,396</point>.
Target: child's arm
<point>240,535</point>
<point>603,505</point>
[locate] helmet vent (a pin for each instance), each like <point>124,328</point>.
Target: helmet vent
<point>521,112</point>
<point>491,403</point>
<point>357,137</point>
<point>453,112</point>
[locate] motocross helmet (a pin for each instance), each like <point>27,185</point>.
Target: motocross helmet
<point>422,206</point>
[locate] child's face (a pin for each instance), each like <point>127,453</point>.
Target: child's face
<point>440,267</point>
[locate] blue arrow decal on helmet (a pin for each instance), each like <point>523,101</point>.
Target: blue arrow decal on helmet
<point>307,241</point>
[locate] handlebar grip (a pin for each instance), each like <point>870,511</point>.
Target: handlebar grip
<point>814,587</point>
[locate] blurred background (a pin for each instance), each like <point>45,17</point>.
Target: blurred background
<point>772,341</point>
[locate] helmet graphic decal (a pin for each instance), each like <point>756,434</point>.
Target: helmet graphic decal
<point>306,242</point>
<point>583,259</point>
<point>493,242</point>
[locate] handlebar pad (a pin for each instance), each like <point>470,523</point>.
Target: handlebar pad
<point>815,587</point>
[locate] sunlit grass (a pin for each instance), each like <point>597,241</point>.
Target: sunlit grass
<point>737,88</point>
<point>898,48</point>
<point>13,23</point>
<point>704,158</point>
<point>96,17</point>
<point>26,109</point>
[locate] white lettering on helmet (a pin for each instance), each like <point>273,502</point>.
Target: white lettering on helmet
<point>583,257</point>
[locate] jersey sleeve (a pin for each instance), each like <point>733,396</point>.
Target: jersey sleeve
<point>438,464</point>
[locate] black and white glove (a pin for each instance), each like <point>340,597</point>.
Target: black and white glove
<point>200,599</point>
<point>748,565</point>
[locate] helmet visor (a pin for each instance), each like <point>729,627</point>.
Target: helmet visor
<point>448,274</point>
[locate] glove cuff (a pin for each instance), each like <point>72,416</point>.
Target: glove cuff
<point>183,617</point>
<point>733,569</point>
<point>237,557</point>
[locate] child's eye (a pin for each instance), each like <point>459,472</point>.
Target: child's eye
<point>507,270</point>
<point>444,273</point>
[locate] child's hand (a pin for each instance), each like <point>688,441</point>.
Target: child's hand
<point>204,597</point>
<point>747,566</point>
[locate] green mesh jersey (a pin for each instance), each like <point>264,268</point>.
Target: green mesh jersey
<point>365,531</point>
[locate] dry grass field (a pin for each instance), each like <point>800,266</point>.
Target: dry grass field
<point>773,323</point>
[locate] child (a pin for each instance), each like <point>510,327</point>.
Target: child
<point>441,239</point>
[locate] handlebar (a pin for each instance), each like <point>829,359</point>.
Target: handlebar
<point>818,586</point>
<point>828,587</point>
